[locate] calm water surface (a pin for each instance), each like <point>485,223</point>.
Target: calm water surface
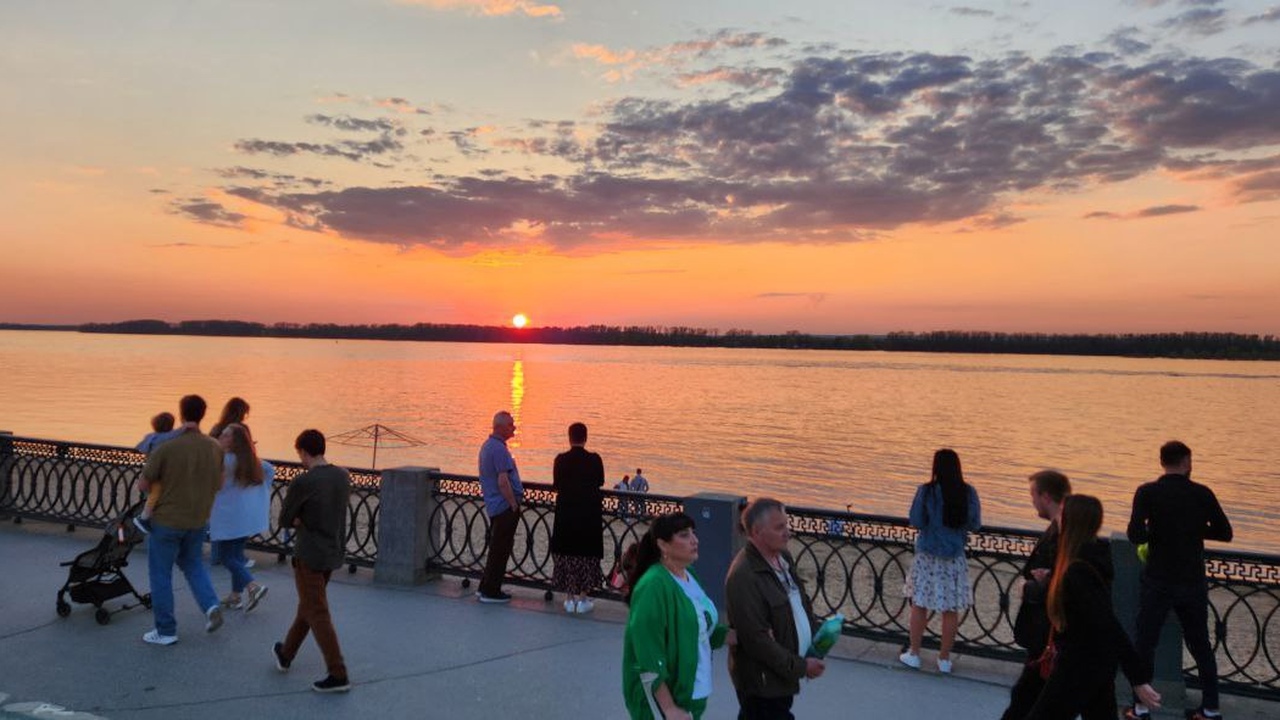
<point>825,429</point>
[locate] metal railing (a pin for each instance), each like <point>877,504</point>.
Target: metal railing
<point>851,563</point>
<point>92,485</point>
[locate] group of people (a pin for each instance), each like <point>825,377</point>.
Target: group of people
<point>215,484</point>
<point>1066,622</point>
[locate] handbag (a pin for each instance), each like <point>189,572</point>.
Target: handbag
<point>1048,659</point>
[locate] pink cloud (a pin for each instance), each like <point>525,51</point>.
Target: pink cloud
<point>491,7</point>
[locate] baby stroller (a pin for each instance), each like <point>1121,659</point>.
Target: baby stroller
<point>97,575</point>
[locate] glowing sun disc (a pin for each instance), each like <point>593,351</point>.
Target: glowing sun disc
<point>519,320</point>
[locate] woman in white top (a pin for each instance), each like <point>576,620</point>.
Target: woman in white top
<point>240,511</point>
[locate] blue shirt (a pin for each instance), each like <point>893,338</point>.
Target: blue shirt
<point>935,538</point>
<point>495,458</point>
<point>155,439</point>
<point>239,511</point>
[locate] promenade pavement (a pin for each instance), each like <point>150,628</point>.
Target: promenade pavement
<point>429,651</point>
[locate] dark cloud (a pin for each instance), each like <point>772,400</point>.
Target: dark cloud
<point>1125,42</point>
<point>1198,21</point>
<point>208,212</point>
<point>835,148</point>
<point>1162,210</point>
<point>353,124</point>
<point>349,149</point>
<point>1269,15</point>
<point>159,191</point>
<point>279,179</point>
<point>1149,212</point>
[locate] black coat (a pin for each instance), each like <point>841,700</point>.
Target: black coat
<point>577,478</point>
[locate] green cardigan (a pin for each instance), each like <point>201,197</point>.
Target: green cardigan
<point>661,643</point>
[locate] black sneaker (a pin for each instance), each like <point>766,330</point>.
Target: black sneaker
<point>501,597</point>
<point>277,651</point>
<point>331,684</point>
<point>1199,714</point>
<point>1131,713</point>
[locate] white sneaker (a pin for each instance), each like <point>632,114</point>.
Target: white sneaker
<point>585,606</point>
<point>944,666</point>
<point>570,606</point>
<point>910,659</point>
<point>255,596</point>
<point>248,563</point>
<point>214,615</point>
<point>155,638</point>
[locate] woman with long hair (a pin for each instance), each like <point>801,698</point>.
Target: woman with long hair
<point>1089,640</point>
<point>240,510</point>
<point>235,411</point>
<point>671,629</point>
<point>945,510</point>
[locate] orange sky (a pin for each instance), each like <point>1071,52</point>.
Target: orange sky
<point>493,158</point>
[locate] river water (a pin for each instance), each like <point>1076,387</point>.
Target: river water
<point>814,428</point>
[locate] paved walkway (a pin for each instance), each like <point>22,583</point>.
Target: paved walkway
<point>424,652</point>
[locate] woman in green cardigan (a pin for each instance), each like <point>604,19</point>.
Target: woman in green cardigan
<point>673,625</point>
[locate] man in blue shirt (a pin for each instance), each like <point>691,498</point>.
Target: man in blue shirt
<point>500,482</point>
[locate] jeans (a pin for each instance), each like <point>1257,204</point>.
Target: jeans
<point>233,559</point>
<point>1190,602</point>
<point>502,537</point>
<point>313,617</point>
<point>184,547</point>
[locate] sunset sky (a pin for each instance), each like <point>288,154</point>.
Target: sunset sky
<point>832,166</point>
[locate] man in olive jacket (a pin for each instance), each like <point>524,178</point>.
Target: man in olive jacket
<point>771,615</point>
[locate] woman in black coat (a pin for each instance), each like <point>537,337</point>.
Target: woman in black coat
<point>577,538</point>
<point>1091,644</point>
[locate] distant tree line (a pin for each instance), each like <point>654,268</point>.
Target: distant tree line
<point>1229,346</point>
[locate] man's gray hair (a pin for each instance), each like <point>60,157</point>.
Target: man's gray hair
<point>502,417</point>
<point>757,509</point>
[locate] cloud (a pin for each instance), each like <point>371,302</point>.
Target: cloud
<point>491,7</point>
<point>1198,21</point>
<point>836,147</point>
<point>1271,14</point>
<point>1148,212</point>
<point>208,212</point>
<point>1162,210</point>
<point>625,63</point>
<point>351,124</point>
<point>971,12</point>
<point>814,298</point>
<point>1125,42</point>
<point>354,150</point>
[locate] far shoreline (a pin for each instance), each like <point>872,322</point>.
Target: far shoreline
<point>1184,345</point>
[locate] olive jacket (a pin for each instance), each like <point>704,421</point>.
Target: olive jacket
<point>767,661</point>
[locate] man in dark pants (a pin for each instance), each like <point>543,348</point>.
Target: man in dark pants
<point>1174,516</point>
<point>500,481</point>
<point>770,613</point>
<point>315,506</point>
<point>1031,628</point>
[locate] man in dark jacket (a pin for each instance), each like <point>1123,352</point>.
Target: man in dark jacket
<point>315,506</point>
<point>771,615</point>
<point>1174,516</point>
<point>1031,628</point>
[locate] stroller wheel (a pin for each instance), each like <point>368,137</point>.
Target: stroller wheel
<point>102,616</point>
<point>64,608</point>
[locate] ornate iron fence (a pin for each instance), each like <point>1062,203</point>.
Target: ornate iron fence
<point>853,564</point>
<point>92,485</point>
<point>460,529</point>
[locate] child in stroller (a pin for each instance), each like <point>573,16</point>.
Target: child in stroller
<point>96,576</point>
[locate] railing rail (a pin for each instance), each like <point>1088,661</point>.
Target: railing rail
<point>852,563</point>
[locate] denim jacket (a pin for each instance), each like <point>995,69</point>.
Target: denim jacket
<point>935,538</point>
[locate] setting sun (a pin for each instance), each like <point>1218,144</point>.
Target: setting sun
<point>519,320</point>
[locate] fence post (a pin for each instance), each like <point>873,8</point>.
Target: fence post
<point>405,505</point>
<point>1168,658</point>
<point>6,470</point>
<point>719,538</point>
